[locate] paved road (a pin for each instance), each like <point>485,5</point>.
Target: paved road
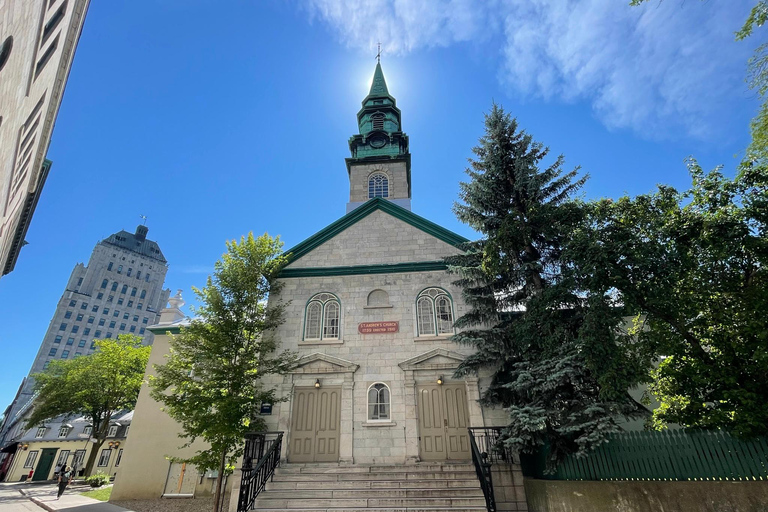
<point>11,500</point>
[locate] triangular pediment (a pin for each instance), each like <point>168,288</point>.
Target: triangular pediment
<point>377,233</point>
<point>323,363</point>
<point>437,359</point>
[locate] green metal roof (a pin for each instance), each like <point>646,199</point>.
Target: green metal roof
<point>379,84</point>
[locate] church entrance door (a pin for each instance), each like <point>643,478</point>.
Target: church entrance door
<point>315,424</point>
<point>443,422</point>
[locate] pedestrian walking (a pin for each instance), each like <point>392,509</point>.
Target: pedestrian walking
<point>56,471</point>
<point>65,477</point>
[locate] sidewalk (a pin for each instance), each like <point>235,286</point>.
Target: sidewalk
<point>45,496</point>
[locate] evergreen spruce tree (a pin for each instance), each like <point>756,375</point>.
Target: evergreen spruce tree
<point>560,365</point>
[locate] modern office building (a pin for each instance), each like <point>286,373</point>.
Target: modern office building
<point>120,291</point>
<point>37,45</point>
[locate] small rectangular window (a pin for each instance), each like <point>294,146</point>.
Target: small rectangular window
<point>63,431</point>
<point>110,298</point>
<point>57,339</point>
<point>105,311</point>
<point>31,458</point>
<point>140,306</point>
<point>112,431</point>
<point>141,331</point>
<point>79,316</point>
<point>79,281</point>
<point>98,335</point>
<point>129,272</point>
<point>100,296</point>
<point>130,303</point>
<point>109,335</point>
<point>112,324</point>
<point>135,318</point>
<point>138,274</point>
<point>70,341</point>
<point>91,319</point>
<point>104,457</point>
<point>145,320</point>
<point>109,267</point>
<point>63,456</point>
<point>52,352</point>
<point>65,354</point>
<point>133,328</point>
<point>125,315</point>
<point>72,303</point>
<point>53,22</point>
<point>40,432</point>
<point>119,457</point>
<point>116,313</point>
<point>68,314</point>
<point>87,331</point>
<point>122,327</point>
<point>95,309</point>
<point>78,354</point>
<point>119,269</point>
<point>84,305</point>
<point>120,301</point>
<point>46,365</point>
<point>101,322</point>
<point>81,343</point>
<point>87,430</point>
<point>75,328</point>
<point>63,326</point>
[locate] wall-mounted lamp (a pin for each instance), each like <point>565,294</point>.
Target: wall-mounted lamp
<point>317,383</point>
<point>114,444</point>
<point>24,446</point>
<point>440,380</point>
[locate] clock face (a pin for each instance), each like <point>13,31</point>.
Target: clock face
<point>378,142</point>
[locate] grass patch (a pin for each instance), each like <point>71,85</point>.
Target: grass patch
<point>99,494</point>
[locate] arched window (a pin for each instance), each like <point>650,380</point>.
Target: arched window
<point>143,294</point>
<point>133,292</point>
<point>114,286</point>
<point>321,321</point>
<point>104,283</point>
<point>378,186</point>
<point>125,288</point>
<point>435,312</point>
<point>378,402</point>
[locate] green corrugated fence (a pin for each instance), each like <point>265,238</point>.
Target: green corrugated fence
<point>666,455</point>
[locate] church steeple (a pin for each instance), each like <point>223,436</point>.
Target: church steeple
<point>380,150</point>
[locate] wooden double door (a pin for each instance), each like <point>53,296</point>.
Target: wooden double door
<point>315,425</point>
<point>443,422</point>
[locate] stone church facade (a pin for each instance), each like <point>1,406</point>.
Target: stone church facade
<point>371,314</point>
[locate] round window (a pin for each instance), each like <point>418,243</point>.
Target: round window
<point>5,50</point>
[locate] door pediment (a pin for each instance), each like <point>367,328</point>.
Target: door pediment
<point>437,359</point>
<point>323,363</point>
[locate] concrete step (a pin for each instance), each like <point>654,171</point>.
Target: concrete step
<point>367,503</point>
<point>456,492</point>
<point>422,509</point>
<point>374,484</point>
<point>375,475</point>
<point>412,468</point>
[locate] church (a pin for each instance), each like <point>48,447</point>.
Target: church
<point>371,313</point>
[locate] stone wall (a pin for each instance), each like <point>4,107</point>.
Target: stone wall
<point>645,496</point>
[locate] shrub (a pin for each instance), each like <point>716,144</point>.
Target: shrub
<point>97,479</point>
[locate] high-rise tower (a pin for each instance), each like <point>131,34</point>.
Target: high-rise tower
<point>120,291</point>
<point>380,165</point>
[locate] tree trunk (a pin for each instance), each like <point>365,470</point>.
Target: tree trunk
<point>92,456</point>
<point>219,480</point>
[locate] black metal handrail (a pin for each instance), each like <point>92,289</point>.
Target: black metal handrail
<point>483,470</point>
<point>489,441</point>
<point>266,453</point>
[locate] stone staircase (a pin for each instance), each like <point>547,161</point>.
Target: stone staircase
<point>413,488</point>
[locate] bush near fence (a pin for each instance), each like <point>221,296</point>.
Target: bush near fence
<point>665,455</point>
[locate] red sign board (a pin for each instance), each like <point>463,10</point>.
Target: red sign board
<point>378,327</point>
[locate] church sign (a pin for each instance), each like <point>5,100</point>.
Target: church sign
<point>378,327</point>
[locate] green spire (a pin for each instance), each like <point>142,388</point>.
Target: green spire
<point>379,85</point>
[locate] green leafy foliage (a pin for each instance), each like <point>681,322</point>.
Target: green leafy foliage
<point>561,367</point>
<point>96,386</point>
<point>97,479</point>
<point>211,383</point>
<point>692,267</point>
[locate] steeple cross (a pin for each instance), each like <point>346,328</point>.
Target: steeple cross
<point>378,55</point>
<point>144,217</point>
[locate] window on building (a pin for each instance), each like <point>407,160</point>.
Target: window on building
<point>109,335</point>
<point>378,186</point>
<point>114,286</point>
<point>378,402</point>
<point>63,456</point>
<point>31,458</point>
<point>86,331</point>
<point>52,352</point>
<point>70,341</point>
<point>109,267</point>
<point>140,306</point>
<point>63,431</point>
<point>378,121</point>
<point>321,321</point>
<point>133,328</point>
<point>125,288</point>
<point>84,305</point>
<point>101,322</point>
<point>119,457</point>
<point>122,327</point>
<point>135,318</point>
<point>81,343</point>
<point>112,324</point>
<point>145,320</point>
<point>72,303</point>
<point>146,278</point>
<point>116,313</point>
<point>104,457</point>
<point>64,354</point>
<point>77,460</point>
<point>138,274</point>
<point>40,432</point>
<point>112,432</point>
<point>91,319</point>
<point>79,316</point>
<point>126,315</point>
<point>98,335</point>
<point>143,294</point>
<point>120,301</point>
<point>78,354</point>
<point>129,272</point>
<point>46,365</point>
<point>119,269</point>
<point>68,314</point>
<point>95,309</point>
<point>435,312</point>
<point>100,296</point>
<point>57,339</point>
<point>141,331</point>
<point>130,303</point>
<point>87,430</point>
<point>104,283</point>
<point>105,311</point>
<point>133,292</point>
<point>75,329</point>
<point>79,281</point>
<point>110,298</point>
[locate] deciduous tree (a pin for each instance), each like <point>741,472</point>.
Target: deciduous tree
<point>212,383</point>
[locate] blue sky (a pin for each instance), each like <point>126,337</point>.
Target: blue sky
<point>219,118</point>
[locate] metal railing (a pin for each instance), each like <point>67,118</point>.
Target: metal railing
<point>261,458</point>
<point>483,470</point>
<point>488,441</point>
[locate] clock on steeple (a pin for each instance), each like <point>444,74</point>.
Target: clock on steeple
<point>380,150</point>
